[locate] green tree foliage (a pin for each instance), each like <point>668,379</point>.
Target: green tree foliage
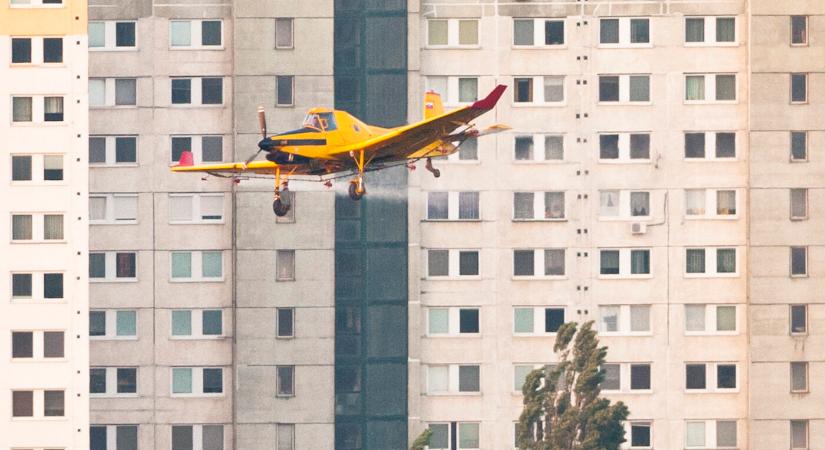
<point>422,440</point>
<point>562,407</point>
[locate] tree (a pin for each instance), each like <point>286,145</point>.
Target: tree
<point>562,407</point>
<point>422,440</point>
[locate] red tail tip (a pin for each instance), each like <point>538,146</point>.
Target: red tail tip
<point>186,159</point>
<point>491,100</point>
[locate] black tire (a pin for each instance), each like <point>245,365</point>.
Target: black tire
<point>353,191</point>
<point>280,208</point>
<point>436,173</point>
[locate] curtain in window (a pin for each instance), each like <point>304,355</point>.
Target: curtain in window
<point>212,264</point>
<point>468,205</point>
<point>554,261</point>
<point>695,434</point>
<point>608,203</point>
<point>125,265</point>
<point>799,434</point>
<point>438,320</point>
<point>523,320</point>
<point>610,318</point>
<point>639,88</point>
<point>212,437</point>
<point>725,87</point>
<point>53,109</point>
<point>437,205</point>
<point>285,264</point>
<point>468,32</point>
<point>21,226</point>
<point>437,32</point>
<point>181,33</point>
<point>725,29</point>
<point>695,29</point>
<point>97,34</point>
<point>726,202</point>
<point>181,380</point>
<point>181,323</point>
<point>468,379</point>
<point>554,148</point>
<point>97,92</point>
<point>126,91</point>
<point>640,262</point>
<point>639,203</point>
<point>284,88</point>
<point>695,260</point>
<point>468,435</point>
<point>725,260</point>
<point>523,205</point>
<point>695,87</point>
<point>22,109</point>
<point>726,318</point>
<point>52,167</point>
<point>125,207</point>
<point>554,89</point>
<point>438,379</point>
<point>212,148</point>
<point>439,85</point>
<point>53,226</point>
<point>97,208</point>
<point>524,148</point>
<point>523,29</point>
<point>639,31</point>
<point>468,150</point>
<point>181,265</point>
<point>640,318</point>
<point>694,317</point>
<point>211,207</point>
<point>467,90</point>
<point>799,376</point>
<point>554,205</point>
<point>799,203</point>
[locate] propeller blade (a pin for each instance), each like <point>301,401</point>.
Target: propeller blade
<point>262,121</point>
<point>254,155</point>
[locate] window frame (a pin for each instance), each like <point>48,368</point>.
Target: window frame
<point>625,33</point>
<point>111,325</point>
<point>623,87</point>
<point>197,210</point>
<point>711,325</point>
<point>539,320</point>
<point>806,31</point>
<point>453,264</point>
<point>196,34</point>
<point>109,212</point>
<point>453,33</point>
<point>196,318</point>
<point>711,25</point>
<point>711,260</point>
<point>712,378</point>
<point>196,267</point>
<point>539,264</point>
<point>110,267</point>
<point>37,168</point>
<point>806,368</point>
<point>790,319</point>
<point>538,91</point>
<point>197,382</point>
<point>539,33</point>
<point>710,148</point>
<point>539,148</point>
<point>624,264</point>
<point>111,380</point>
<point>711,204</point>
<point>291,33</point>
<point>196,92</point>
<point>453,322</point>
<point>806,79</point>
<point>540,204</point>
<point>453,380</point>
<point>709,89</point>
<point>625,382</point>
<point>110,36</point>
<point>110,151</point>
<point>453,207</point>
<point>624,326</point>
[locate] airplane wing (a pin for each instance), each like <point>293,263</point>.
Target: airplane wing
<point>402,142</point>
<point>264,167</point>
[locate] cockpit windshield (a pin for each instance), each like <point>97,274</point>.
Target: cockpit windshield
<point>321,121</point>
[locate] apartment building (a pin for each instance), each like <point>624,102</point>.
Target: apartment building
<point>43,132</point>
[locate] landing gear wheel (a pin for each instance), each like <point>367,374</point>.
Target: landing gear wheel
<point>436,173</point>
<point>354,192</point>
<point>280,207</point>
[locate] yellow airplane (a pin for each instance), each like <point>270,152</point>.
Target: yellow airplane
<point>335,142</point>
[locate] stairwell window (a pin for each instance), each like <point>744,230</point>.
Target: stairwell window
<point>799,203</point>
<point>284,33</point>
<point>799,88</point>
<point>799,30</point>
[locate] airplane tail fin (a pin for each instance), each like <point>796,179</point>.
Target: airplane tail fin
<point>432,105</point>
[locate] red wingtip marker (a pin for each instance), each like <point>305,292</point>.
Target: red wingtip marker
<point>186,159</point>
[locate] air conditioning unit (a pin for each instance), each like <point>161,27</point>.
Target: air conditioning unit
<point>638,228</point>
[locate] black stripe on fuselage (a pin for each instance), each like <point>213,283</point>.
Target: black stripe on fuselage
<point>299,142</point>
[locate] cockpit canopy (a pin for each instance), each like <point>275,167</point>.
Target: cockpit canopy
<point>321,121</point>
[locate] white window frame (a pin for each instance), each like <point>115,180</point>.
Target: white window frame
<point>197,433</point>
<point>711,325</point>
<point>110,218</point>
<point>710,32</point>
<point>111,383</point>
<point>625,381</point>
<point>711,435</point>
<point>38,346</point>
<point>710,147</point>
<point>197,147</point>
<point>711,205</point>
<point>38,287</point>
<point>629,433</point>
<point>111,267</point>
<point>452,33</point>
<point>38,169</point>
<point>539,264</point>
<point>625,212</point>
<point>38,227</point>
<point>454,264</point>
<point>455,157</point>
<point>516,365</point>
<point>807,272</point>
<point>711,270</point>
<point>624,148</point>
<point>806,200</point>
<point>452,96</point>
<point>32,4</point>
<point>711,378</point>
<point>196,321</point>
<point>806,367</point>
<point>453,322</point>
<point>110,93</point>
<point>39,111</point>
<point>539,148</point>
<point>539,33</point>
<point>197,213</point>
<point>39,405</point>
<point>291,30</point>
<point>196,91</point>
<point>196,266</point>
<point>807,424</point>
<point>453,211</point>
<point>710,89</point>
<point>624,33</point>
<point>539,206</point>
<point>624,89</point>
<point>111,326</point>
<point>539,320</point>
<point>197,382</point>
<point>110,36</point>
<point>624,264</point>
<point>452,380</point>
<point>195,35</point>
<point>458,428</point>
<point>538,91</point>
<point>37,52</point>
<point>111,152</point>
<point>111,434</point>
<point>624,321</point>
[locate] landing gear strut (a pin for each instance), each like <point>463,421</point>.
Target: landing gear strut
<point>429,166</point>
<point>280,206</point>
<point>356,186</point>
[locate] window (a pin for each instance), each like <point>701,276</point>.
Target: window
<point>113,208</point>
<point>112,266</point>
<point>538,206</point>
<point>284,37</point>
<point>125,437</point>
<point>452,263</point>
<point>21,50</point>
<point>286,436</point>
<point>22,403</point>
<point>520,373</point>
<point>799,319</point>
<point>452,321</point>
<point>37,227</point>
<point>799,261</point>
<point>113,150</point>
<point>799,377</point>
<point>452,206</point>
<point>799,30</point>
<point>624,32</point>
<point>710,203</point>
<point>453,378</point>
<point>698,262</point>
<point>799,434</point>
<point>537,320</point>
<point>112,35</point>
<point>799,88</point>
<point>21,167</point>
<point>203,148</point>
<point>285,265</point>
<point>285,327</point>
<point>51,165</point>
<point>109,92</point>
<point>539,262</point>
<point>196,437</point>
<point>197,266</point>
<point>284,87</point>
<point>624,205</point>
<point>710,376</point>
<point>197,324</point>
<point>624,319</point>
<point>724,145</point>
<point>547,90</point>
<point>200,381</point>
<point>197,91</point>
<point>640,435</point>
<point>533,148</point>
<point>22,344</point>
<point>626,377</point>
<point>195,208</point>
<point>113,324</point>
<point>53,109</point>
<point>195,34</point>
<point>615,147</point>
<point>454,90</point>
<point>710,31</point>
<point>799,204</point>
<point>703,88</point>
<point>624,88</point>
<point>212,91</point>
<point>24,285</point>
<point>113,381</point>
<point>538,32</point>
<point>285,381</point>
<point>22,109</point>
<point>799,146</point>
<point>444,433</point>
<point>452,32</point>
<point>700,319</point>
<point>54,403</point>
